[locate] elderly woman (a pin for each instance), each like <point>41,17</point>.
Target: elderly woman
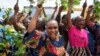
<point>77,34</point>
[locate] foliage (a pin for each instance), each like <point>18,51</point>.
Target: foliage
<point>31,1</point>
<point>65,3</point>
<point>7,13</point>
<point>14,38</point>
<point>97,8</point>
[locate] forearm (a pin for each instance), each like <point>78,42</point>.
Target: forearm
<point>87,20</point>
<point>58,19</point>
<point>69,22</point>
<point>90,8</point>
<point>88,16</point>
<point>83,12</point>
<point>93,16</point>
<point>14,18</point>
<point>32,24</point>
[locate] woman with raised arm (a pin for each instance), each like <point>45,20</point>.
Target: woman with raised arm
<point>54,42</point>
<point>77,34</point>
<point>49,43</point>
<point>62,25</point>
<point>32,36</point>
<point>95,29</point>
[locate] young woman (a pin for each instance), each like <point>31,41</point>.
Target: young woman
<point>47,43</point>
<point>77,34</point>
<point>54,45</point>
<point>33,37</point>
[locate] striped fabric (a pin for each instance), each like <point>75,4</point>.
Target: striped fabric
<point>77,52</point>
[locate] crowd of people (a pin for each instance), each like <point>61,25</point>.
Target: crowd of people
<point>59,36</point>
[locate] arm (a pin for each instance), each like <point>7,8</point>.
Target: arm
<point>88,21</point>
<point>16,7</point>
<point>22,17</point>
<point>93,16</point>
<point>58,17</point>
<point>84,8</point>
<point>32,24</point>
<point>15,16</point>
<point>69,22</point>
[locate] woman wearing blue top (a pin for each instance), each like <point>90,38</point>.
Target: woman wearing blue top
<point>48,43</point>
<point>54,42</point>
<point>32,38</point>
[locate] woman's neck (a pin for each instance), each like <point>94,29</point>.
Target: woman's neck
<point>78,28</point>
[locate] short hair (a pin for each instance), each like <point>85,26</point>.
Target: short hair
<point>77,18</point>
<point>50,21</point>
<point>64,16</point>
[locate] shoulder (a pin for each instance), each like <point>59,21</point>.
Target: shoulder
<point>73,28</point>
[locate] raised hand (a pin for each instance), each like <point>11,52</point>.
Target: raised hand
<point>61,8</point>
<point>16,7</point>
<point>32,24</point>
<point>39,9</point>
<point>90,8</point>
<point>85,4</point>
<point>84,8</point>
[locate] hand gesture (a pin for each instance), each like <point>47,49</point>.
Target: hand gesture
<point>39,9</point>
<point>90,8</point>
<point>85,4</point>
<point>16,7</point>
<point>61,8</point>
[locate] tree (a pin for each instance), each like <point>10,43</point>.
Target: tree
<point>97,8</point>
<point>65,3</point>
<point>11,38</point>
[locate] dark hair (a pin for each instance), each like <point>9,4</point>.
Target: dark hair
<point>40,25</point>
<point>77,18</point>
<point>64,16</point>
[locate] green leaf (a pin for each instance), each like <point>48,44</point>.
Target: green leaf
<point>77,2</point>
<point>2,45</point>
<point>20,51</point>
<point>97,8</point>
<point>65,3</point>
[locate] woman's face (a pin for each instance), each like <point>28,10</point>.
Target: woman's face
<point>80,23</point>
<point>52,28</point>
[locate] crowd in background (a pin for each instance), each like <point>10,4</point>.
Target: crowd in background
<point>59,36</point>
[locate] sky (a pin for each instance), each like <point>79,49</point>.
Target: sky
<point>22,3</point>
